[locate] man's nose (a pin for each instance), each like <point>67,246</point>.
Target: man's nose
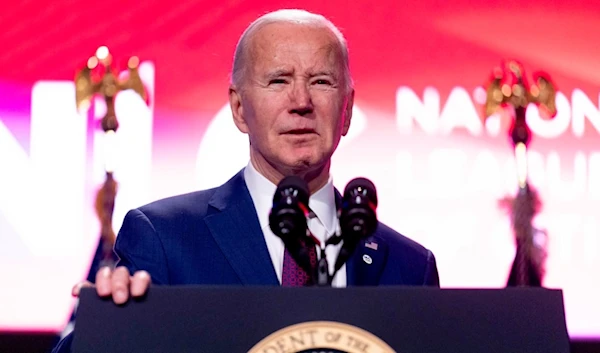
<point>301,99</point>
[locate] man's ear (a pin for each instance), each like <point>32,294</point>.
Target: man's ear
<point>237,110</point>
<point>348,112</point>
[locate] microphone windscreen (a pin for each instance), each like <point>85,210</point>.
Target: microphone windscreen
<point>364,186</point>
<point>295,183</point>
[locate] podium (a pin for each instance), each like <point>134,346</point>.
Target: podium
<point>202,319</point>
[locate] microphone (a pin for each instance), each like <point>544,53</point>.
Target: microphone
<point>290,208</point>
<point>358,216</point>
<point>287,220</point>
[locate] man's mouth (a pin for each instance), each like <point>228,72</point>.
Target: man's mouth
<point>300,131</point>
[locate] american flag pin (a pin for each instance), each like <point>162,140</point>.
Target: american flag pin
<point>371,245</point>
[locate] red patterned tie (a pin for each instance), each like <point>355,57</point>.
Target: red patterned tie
<point>293,275</point>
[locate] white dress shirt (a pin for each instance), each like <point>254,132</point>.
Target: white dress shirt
<point>324,225</point>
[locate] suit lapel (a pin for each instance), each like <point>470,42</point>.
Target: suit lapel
<point>236,230</point>
<point>365,266</point>
<point>368,261</point>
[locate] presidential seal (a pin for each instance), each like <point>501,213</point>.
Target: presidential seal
<point>321,337</point>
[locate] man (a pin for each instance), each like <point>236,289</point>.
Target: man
<point>292,93</point>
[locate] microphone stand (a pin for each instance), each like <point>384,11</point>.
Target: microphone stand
<point>322,276</point>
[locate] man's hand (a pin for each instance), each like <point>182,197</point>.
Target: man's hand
<point>117,283</point>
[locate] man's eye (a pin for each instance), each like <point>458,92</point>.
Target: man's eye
<point>322,82</point>
<point>277,81</point>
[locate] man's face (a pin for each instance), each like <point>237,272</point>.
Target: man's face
<point>294,100</point>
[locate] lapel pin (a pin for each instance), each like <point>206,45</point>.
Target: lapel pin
<point>367,259</point>
<point>371,245</point>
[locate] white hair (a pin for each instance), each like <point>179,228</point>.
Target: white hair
<point>287,16</point>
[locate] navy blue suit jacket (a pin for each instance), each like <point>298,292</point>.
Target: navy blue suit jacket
<point>213,237</point>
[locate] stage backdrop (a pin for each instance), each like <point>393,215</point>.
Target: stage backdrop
<point>418,68</point>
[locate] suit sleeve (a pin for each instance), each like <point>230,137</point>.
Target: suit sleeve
<point>64,346</point>
<point>139,247</point>
<point>431,273</point>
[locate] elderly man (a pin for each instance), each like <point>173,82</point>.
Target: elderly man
<point>292,93</point>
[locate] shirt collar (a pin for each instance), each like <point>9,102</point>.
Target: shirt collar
<point>322,202</point>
